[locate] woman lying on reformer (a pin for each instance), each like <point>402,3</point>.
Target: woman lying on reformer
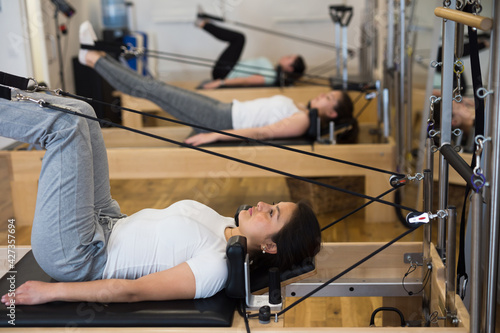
<point>80,237</point>
<point>275,117</point>
<point>229,71</point>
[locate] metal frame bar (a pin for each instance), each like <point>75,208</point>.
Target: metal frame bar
<point>446,114</point>
<point>427,236</point>
<point>356,288</point>
<point>475,278</point>
<point>492,165</point>
<point>344,57</point>
<point>451,245</point>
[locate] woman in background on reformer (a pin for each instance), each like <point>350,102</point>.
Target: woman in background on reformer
<point>229,71</point>
<point>274,117</point>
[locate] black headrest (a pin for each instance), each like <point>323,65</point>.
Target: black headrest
<point>236,250</point>
<point>346,130</point>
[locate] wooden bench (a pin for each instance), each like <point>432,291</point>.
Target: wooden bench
<point>132,156</point>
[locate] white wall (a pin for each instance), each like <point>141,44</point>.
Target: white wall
<point>170,26</point>
<point>15,51</point>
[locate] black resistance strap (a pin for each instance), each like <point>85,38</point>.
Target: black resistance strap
<point>14,81</point>
<point>357,209</point>
<point>5,92</point>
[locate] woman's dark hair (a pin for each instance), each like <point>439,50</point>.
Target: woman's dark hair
<point>299,67</point>
<point>344,108</point>
<point>297,242</point>
<point>288,78</point>
<point>345,119</point>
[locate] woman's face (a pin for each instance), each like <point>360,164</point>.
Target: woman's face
<point>326,102</point>
<point>262,221</point>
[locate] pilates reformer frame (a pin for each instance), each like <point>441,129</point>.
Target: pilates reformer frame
<point>442,297</point>
<point>482,312</point>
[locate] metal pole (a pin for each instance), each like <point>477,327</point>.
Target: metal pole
<point>427,193</point>
<point>344,56</point>
<point>446,112</point>
<point>427,208</point>
<point>379,105</point>
<point>475,279</point>
<point>338,47</point>
<point>367,56</point>
<point>430,155</point>
<point>402,79</point>
<point>434,43</point>
<point>451,249</point>
<point>387,119</point>
<point>411,39</point>
<point>398,129</point>
<point>428,196</point>
<point>390,35</point>
<point>492,165</point>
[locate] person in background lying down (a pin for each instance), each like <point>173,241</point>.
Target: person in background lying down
<point>274,117</point>
<point>230,71</point>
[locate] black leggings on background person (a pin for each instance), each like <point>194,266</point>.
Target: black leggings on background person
<point>231,54</point>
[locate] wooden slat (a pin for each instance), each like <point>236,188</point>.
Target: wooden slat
<point>174,162</point>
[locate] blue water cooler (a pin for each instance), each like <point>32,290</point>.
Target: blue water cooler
<point>115,19</point>
<point>115,15</point>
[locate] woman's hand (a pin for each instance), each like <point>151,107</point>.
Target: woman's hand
<point>213,84</point>
<point>30,293</point>
<point>202,138</point>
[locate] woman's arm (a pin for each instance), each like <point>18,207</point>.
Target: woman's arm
<point>293,126</point>
<point>174,283</point>
<point>252,80</point>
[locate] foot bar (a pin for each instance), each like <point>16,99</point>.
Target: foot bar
<point>476,21</point>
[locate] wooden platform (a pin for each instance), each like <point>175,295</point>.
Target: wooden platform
<point>170,161</point>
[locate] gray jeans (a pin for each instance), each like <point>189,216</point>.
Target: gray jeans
<point>183,104</point>
<point>74,209</point>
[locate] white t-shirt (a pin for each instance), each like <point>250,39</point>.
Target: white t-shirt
<point>153,240</point>
<point>262,111</point>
